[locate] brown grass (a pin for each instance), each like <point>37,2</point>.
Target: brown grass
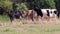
<point>30,27</point>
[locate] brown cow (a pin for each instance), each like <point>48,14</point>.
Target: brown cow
<point>30,14</point>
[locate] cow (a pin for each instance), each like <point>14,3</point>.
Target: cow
<point>53,13</point>
<point>48,14</point>
<point>14,14</point>
<point>28,14</point>
<point>39,12</point>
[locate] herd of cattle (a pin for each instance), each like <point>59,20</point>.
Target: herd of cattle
<point>35,13</point>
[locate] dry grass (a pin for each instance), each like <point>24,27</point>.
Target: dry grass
<point>29,27</point>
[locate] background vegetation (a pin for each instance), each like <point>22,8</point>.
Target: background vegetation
<point>27,4</point>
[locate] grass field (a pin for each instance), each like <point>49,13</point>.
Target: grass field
<point>50,27</point>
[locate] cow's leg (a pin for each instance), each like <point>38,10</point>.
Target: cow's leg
<point>32,15</point>
<point>28,17</point>
<point>32,18</point>
<point>37,18</point>
<point>20,18</point>
<point>11,19</point>
<point>48,18</point>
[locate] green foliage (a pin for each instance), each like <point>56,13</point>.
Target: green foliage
<point>41,3</point>
<point>22,6</point>
<point>4,19</point>
<point>6,4</point>
<point>57,4</point>
<point>50,3</point>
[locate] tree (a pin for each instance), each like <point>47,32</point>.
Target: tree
<point>41,3</point>
<point>6,4</point>
<point>38,3</point>
<point>57,4</point>
<point>50,3</point>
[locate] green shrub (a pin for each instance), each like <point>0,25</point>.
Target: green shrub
<point>22,6</point>
<point>6,4</point>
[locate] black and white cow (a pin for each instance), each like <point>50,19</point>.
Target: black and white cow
<point>49,13</point>
<point>39,12</point>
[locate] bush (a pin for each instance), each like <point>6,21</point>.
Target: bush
<point>22,6</point>
<point>6,4</point>
<point>50,3</point>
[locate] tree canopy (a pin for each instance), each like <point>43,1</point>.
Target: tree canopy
<point>28,3</point>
